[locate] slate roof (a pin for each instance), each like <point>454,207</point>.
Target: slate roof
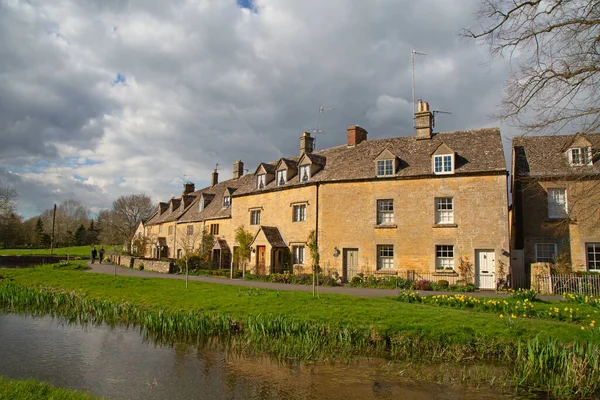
<point>272,235</point>
<point>545,156</point>
<point>168,216</point>
<point>477,151</point>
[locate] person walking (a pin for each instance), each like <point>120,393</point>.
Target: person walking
<point>101,254</point>
<point>94,254</point>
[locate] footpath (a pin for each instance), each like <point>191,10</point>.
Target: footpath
<point>109,269</point>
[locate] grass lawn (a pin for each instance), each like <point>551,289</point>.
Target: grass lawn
<point>76,251</point>
<point>31,389</point>
<point>386,315</point>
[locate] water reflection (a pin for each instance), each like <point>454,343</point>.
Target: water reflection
<point>118,364</point>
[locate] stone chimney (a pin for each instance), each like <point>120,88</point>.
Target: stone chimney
<point>306,143</point>
<point>238,169</point>
<point>188,188</point>
<point>356,134</point>
<point>215,178</point>
<point>423,120</point>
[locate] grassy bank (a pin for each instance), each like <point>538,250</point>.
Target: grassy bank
<point>295,325</point>
<point>76,251</point>
<point>30,389</point>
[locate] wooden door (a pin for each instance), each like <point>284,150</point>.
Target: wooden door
<point>485,269</point>
<point>260,260</point>
<point>350,268</point>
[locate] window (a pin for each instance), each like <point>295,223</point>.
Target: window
<point>444,210</point>
<point>202,204</point>
<point>580,156</point>
<point>444,257</point>
<point>545,252</point>
<point>255,217</point>
<point>443,164</point>
<point>385,167</point>
<point>190,230</point>
<point>593,256</point>
<point>299,213</point>
<point>557,203</point>
<point>385,256</point>
<point>214,229</point>
<point>281,177</point>
<point>170,230</point>
<point>226,201</point>
<point>260,181</point>
<point>298,254</point>
<point>385,212</point>
<point>304,173</point>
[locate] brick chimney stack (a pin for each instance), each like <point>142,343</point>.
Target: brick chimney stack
<point>423,121</point>
<point>306,143</point>
<point>356,134</point>
<point>188,188</point>
<point>238,169</point>
<point>215,178</point>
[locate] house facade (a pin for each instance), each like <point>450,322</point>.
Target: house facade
<point>430,202</point>
<point>556,200</point>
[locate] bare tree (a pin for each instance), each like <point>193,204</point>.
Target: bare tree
<point>554,47</point>
<point>127,212</point>
<point>70,214</point>
<point>8,205</point>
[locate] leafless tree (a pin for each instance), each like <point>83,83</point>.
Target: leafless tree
<point>70,214</point>
<point>126,213</point>
<point>8,196</point>
<point>554,47</point>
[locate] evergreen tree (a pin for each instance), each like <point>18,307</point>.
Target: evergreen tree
<point>39,233</point>
<point>80,236</point>
<point>92,233</point>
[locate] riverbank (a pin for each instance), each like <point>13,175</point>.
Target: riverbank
<point>30,389</point>
<point>296,325</point>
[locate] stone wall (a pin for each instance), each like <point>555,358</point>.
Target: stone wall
<point>543,286</point>
<point>149,265</point>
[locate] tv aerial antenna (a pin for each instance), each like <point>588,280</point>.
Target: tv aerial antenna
<point>317,130</point>
<point>437,112</point>
<point>412,62</point>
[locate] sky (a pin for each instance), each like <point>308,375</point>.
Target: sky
<point>103,98</point>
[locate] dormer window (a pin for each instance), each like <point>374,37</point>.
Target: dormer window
<point>202,204</point>
<point>443,164</point>
<point>580,156</point>
<point>304,173</point>
<point>260,181</point>
<point>281,177</point>
<point>385,167</point>
<point>226,201</point>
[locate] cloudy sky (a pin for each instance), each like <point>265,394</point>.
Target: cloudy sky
<point>101,98</point>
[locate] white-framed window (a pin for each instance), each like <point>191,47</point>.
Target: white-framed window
<point>545,252</point>
<point>580,156</point>
<point>557,203</point>
<point>385,167</point>
<point>444,257</point>
<point>304,173</point>
<point>443,164</point>
<point>299,213</point>
<point>444,210</point>
<point>226,201</point>
<point>255,217</point>
<point>385,212</point>
<point>261,181</point>
<point>385,256</point>
<point>281,177</point>
<point>190,230</point>
<point>593,256</point>
<point>298,254</point>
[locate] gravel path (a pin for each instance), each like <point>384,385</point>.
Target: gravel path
<point>109,269</point>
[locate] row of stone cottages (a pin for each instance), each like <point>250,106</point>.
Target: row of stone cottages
<point>425,203</point>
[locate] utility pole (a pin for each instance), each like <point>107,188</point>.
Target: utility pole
<point>53,223</point>
<point>412,60</point>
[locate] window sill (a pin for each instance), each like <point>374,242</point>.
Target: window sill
<point>445,225</point>
<point>444,273</point>
<point>386,272</point>
<point>386,226</point>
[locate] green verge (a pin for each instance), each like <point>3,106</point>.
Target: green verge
<point>30,389</point>
<point>296,325</point>
<point>75,251</point>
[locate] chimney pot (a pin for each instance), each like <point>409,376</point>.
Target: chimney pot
<point>356,134</point>
<point>420,106</point>
<point>423,121</point>
<point>215,178</point>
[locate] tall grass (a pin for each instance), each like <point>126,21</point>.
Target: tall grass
<point>30,389</point>
<point>565,371</point>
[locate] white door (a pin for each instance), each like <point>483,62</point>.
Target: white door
<point>485,267</point>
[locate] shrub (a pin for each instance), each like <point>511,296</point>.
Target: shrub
<point>423,284</point>
<point>523,294</point>
<point>195,262</point>
<point>141,266</point>
<point>356,281</point>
